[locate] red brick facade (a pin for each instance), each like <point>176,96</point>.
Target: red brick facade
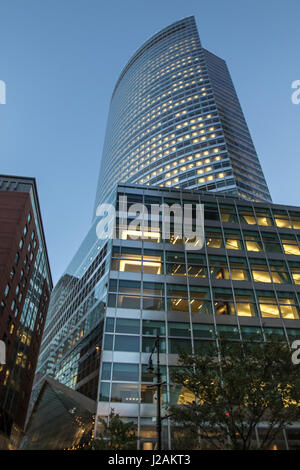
<point>21,285</point>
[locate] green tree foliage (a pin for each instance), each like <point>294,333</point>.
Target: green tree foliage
<point>116,434</point>
<point>235,388</point>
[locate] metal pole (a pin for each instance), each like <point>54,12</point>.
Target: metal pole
<point>158,414</point>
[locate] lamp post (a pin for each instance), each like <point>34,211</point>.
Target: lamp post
<point>158,386</point>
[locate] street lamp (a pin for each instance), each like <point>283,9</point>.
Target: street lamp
<point>158,386</point>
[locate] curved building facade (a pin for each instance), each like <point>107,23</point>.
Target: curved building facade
<point>175,121</point>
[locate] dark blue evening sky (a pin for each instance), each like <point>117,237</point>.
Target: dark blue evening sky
<point>60,60</point>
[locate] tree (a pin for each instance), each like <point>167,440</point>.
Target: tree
<point>116,434</point>
<point>234,389</point>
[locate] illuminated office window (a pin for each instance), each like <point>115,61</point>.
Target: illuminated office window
<point>218,267</point>
<point>239,269</point>
<point>253,241</point>
<point>233,240</point>
<point>263,217</point>
<point>290,245</point>
<point>282,219</point>
<point>268,304</point>
<point>223,302</point>
<point>245,303</point>
<point>214,238</point>
<point>228,213</point>
<point>260,271</point>
<point>295,271</point>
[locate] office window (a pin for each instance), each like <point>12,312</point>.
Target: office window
<point>263,217</point>
<point>126,325</point>
<point>199,300</point>
<point>245,303</point>
<point>223,301</point>
<point>104,391</point>
<point>149,377</point>
<point>239,269</point>
<point>179,329</point>
<point>110,324</point>
<point>218,267</point>
<point>214,238</point>
<point>260,271</point>
<point>175,264</point>
<point>282,219</point>
<point>176,345</point>
<point>177,298</point>
<point>271,242</point>
<point>125,393</point>
<point>287,304</point>
<point>293,334</point>
<point>295,271</point>
<point>153,262</point>
<point>274,333</point>
<point>148,395</point>
<point>252,333</point>
<point>125,372</point>
<point>6,290</point>
<point>148,344</point>
<point>290,245</point>
<point>233,240</point>
<point>106,371</point>
<point>203,331</point>
<point>247,216</point>
<point>153,328</point>
<point>228,213</point>
<point>127,343</point>
<point>253,241</point>
<point>295,218</point>
<point>211,212</point>
<point>108,342</point>
<point>279,272</point>
<point>196,265</point>
<point>268,304</point>
<point>228,331</point>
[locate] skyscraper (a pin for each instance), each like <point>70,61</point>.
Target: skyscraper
<point>175,121</point>
<point>175,134</point>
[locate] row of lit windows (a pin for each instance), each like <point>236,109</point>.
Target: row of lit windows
<point>144,78</point>
<point>146,118</point>
<point>183,164</point>
<point>131,128</point>
<point>175,163</point>
<point>131,260</point>
<point>142,106</point>
<point>256,216</point>
<point>158,140</point>
<point>171,136</point>
<point>232,240</point>
<point>195,299</point>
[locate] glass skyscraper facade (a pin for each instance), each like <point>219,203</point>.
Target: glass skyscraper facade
<point>176,134</point>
